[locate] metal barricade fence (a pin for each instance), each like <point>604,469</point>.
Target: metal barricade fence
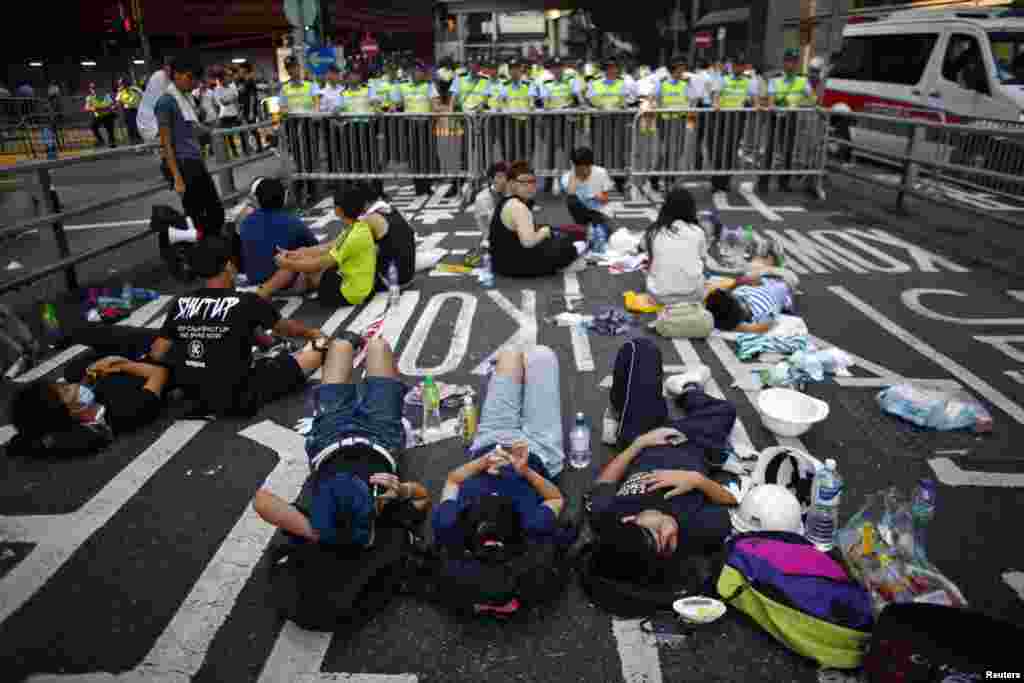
<point>985,156</point>
<point>58,214</point>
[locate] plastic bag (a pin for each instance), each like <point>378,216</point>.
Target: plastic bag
<point>935,408</point>
<point>877,545</point>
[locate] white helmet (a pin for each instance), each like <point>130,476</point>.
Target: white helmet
<point>789,468</point>
<point>768,507</point>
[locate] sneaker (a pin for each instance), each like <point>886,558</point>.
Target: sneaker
<point>610,427</point>
<point>696,377</point>
<point>280,347</point>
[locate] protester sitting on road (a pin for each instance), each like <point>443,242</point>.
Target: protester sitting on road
<point>396,241</point>
<point>518,247</point>
<point>183,164</point>
<point>677,248</point>
<point>208,337</point>
<point>105,393</point>
<point>751,303</point>
<point>516,454</point>
<point>353,450</point>
<point>490,196</point>
<point>586,188</point>
<point>654,502</point>
<point>342,272</point>
<point>270,229</point>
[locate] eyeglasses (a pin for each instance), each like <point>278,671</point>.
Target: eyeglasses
<point>530,181</point>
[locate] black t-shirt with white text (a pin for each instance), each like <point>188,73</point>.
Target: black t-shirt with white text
<point>212,332</point>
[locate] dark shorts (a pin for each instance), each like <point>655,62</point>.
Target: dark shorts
<point>371,409</point>
<point>269,379</point>
<point>329,291</point>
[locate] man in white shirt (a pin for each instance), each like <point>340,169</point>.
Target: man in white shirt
<point>331,95</point>
<point>225,94</point>
<point>487,199</point>
<point>155,88</point>
<point>586,187</point>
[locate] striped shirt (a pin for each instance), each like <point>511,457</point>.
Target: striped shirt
<point>765,301</point>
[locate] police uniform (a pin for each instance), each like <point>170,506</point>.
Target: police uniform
<point>129,98</point>
<point>611,135</point>
<point>102,107</point>
<point>735,92</point>
<point>556,135</point>
<point>416,98</point>
<point>674,94</point>
<point>303,134</point>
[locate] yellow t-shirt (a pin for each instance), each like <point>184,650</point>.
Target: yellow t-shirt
<point>356,255</point>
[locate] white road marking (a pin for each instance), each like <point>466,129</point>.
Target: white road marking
<point>1016,375</point>
<point>1005,344</point>
<point>326,203</point>
<point>884,377</point>
<point>467,233</point>
<point>395,322</point>
<point>950,474</point>
<point>912,300</point>
<point>136,319</point>
<point>638,652</point>
<point>63,539</point>
<point>298,656</point>
<point>1016,294</point>
<point>408,363</point>
<point>746,190</point>
<point>581,350</point>
<point>292,304</point>
<point>893,266</point>
<point>1015,580</point>
<point>337,318</point>
<point>925,260</point>
<point>526,319</point>
<point>7,433</point>
<point>14,265</point>
<point>458,252</point>
<point>801,248</point>
<point>371,312</point>
<point>993,395</point>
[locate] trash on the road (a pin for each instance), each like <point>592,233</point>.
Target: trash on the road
<point>569,319</point>
<point>883,547</point>
<point>449,429</point>
<point>215,470</point>
<point>453,268</point>
<point>937,409</point>
<point>14,265</point>
<point>698,609</point>
<point>790,413</point>
<point>188,473</point>
<point>428,258</point>
<point>623,263</point>
<point>826,614</point>
<point>611,323</point>
<point>641,303</point>
<point>625,241</point>
<point>451,394</point>
<point>750,346</point>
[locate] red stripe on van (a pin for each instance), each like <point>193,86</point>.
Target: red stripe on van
<point>860,103</point>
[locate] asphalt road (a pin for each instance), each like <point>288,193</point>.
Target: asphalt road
<point>146,561</point>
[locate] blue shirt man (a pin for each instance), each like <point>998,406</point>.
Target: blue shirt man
<point>269,229</point>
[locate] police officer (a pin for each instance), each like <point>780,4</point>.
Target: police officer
<point>673,92</point>
<point>299,95</point>
<point>788,91</point>
<point>416,97</point>
<point>471,90</point>
<point>517,95</point>
<point>102,109</point>
<point>611,134</point>
<point>737,91</point>
<point>557,133</point>
<point>128,98</point>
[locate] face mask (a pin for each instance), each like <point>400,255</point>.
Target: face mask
<point>86,397</point>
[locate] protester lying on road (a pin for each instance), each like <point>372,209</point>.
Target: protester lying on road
<point>518,247</point>
<point>395,239</point>
<point>654,501</point>
<point>353,451</point>
<point>265,232</point>
<point>208,337</point>
<point>342,272</point>
<point>516,454</point>
<point>751,303</point>
<point>103,394</point>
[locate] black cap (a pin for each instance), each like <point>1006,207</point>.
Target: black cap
<point>679,60</point>
<point>610,61</point>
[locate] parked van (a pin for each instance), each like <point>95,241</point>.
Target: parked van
<point>954,66</point>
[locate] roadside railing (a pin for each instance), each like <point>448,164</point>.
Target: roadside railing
<point>57,214</point>
<point>986,157</point>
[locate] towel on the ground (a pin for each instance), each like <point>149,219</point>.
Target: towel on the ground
<point>752,345</point>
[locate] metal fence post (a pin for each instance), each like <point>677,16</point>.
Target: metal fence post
<point>220,153</point>
<point>915,134</point>
<point>70,276</point>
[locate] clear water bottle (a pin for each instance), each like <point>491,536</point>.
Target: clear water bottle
<point>598,239</point>
<point>922,507</point>
<point>823,517</point>
<point>431,407</point>
<point>468,421</point>
<point>579,443</point>
<point>486,272</point>
<point>394,291</point>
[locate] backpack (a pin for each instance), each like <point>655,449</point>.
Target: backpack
<point>801,596</point>
<point>927,643</point>
<point>637,394</point>
<point>627,599</point>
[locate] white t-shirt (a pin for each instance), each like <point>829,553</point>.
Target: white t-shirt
<point>330,98</point>
<point>587,191</point>
<point>676,273</point>
<point>226,97</point>
<point>483,210</point>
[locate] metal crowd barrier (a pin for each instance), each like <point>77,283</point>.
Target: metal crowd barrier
<point>986,156</point>
<point>669,143</point>
<point>57,214</point>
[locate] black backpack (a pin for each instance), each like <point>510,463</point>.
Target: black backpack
<point>341,588</point>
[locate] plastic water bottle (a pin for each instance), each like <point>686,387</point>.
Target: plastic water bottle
<point>823,517</point>
<point>486,273</point>
<point>394,291</point>
<point>126,293</point>
<point>598,239</point>
<point>579,443</point>
<point>922,507</point>
<point>467,421</point>
<point>431,406</point>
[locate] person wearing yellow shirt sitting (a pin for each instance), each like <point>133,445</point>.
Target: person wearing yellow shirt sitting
<point>343,271</point>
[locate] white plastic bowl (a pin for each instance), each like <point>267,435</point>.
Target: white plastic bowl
<point>790,413</point>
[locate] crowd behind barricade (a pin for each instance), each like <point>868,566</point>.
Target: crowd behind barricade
<point>670,514</point>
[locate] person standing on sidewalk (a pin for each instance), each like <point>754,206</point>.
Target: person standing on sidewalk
<point>183,161</point>
<point>225,94</point>
<point>102,109</point>
<point>128,99</point>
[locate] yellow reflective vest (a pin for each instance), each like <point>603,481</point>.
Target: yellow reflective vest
<point>299,96</point>
<point>101,105</point>
<point>357,100</point>
<point>789,92</point>
<point>673,96</point>
<point>473,93</point>
<point>609,95</point>
<point>415,97</point>
<point>734,92</point>
<point>559,95</point>
<point>129,97</point>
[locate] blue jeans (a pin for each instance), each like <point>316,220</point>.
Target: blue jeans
<point>531,412</point>
<point>371,410</point>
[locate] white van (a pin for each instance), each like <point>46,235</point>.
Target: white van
<point>954,66</point>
